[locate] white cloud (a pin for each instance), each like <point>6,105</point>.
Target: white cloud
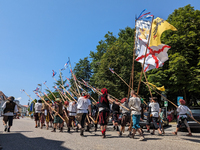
<point>18,98</point>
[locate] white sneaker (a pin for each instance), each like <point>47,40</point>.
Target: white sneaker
<point>141,138</point>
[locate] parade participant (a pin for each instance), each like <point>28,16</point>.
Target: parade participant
<point>57,119</point>
<point>47,114</point>
<point>51,115</point>
<point>82,105</point>
<point>96,114</point>
<point>9,108</point>
<point>38,110</point>
<point>42,116</point>
<point>161,117</point>
<point>154,115</point>
<point>126,118</point>
<point>72,108</point>
<point>134,104</point>
<point>148,115</point>
<point>104,109</point>
<point>169,115</point>
<point>65,112</point>
<point>115,115</point>
<point>182,119</point>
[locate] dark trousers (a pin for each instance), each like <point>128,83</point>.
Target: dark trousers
<point>8,119</point>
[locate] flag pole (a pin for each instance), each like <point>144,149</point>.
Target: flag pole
<point>29,96</point>
<point>132,71</point>
<point>65,89</point>
<point>148,84</point>
<point>170,102</point>
<point>61,77</point>
<point>144,58</point>
<point>74,77</point>
<point>50,91</point>
<point>99,93</point>
<point>49,106</point>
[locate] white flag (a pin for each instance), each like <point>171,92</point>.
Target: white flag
<point>142,29</point>
<point>155,57</point>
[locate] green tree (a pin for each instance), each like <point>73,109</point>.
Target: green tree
<point>180,74</point>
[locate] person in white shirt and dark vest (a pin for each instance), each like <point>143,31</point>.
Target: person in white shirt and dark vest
<point>37,114</point>
<point>83,105</point>
<point>154,106</point>
<point>182,119</point>
<point>10,108</point>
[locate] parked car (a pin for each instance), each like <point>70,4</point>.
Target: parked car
<point>196,114</point>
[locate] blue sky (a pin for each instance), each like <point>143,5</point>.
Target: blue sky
<point>38,36</point>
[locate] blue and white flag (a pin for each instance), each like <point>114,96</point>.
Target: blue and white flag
<point>142,29</point>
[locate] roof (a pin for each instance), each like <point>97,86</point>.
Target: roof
<point>25,105</point>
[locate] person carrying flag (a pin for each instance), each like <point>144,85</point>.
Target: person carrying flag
<point>126,118</point>
<point>37,114</point>
<point>104,110</point>
<point>134,105</point>
<point>83,105</point>
<point>57,119</point>
<point>72,108</point>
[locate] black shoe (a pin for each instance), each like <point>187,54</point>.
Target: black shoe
<point>120,133</point>
<point>54,130</point>
<point>148,131</point>
<point>68,130</point>
<point>5,128</point>
<point>130,134</point>
<point>114,128</point>
<point>81,134</point>
<point>61,129</point>
<point>8,130</point>
<point>88,129</point>
<point>95,129</point>
<point>117,128</point>
<point>76,129</point>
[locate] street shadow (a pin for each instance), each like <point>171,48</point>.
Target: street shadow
<point>192,140</point>
<point>17,141</point>
<point>151,139</point>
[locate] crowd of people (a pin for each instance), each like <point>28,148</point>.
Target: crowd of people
<point>81,114</point>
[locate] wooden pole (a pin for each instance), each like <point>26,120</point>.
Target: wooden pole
<point>29,96</point>
<point>74,77</point>
<point>144,58</point>
<point>148,85</point>
<point>50,91</point>
<point>170,102</point>
<point>65,89</point>
<point>49,106</point>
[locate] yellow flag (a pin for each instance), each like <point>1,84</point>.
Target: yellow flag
<point>159,88</point>
<point>158,27</point>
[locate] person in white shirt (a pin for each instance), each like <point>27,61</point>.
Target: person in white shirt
<point>72,108</point>
<point>83,105</point>
<point>154,115</point>
<point>182,110</point>
<point>38,111</point>
<point>134,105</point>
<point>9,108</point>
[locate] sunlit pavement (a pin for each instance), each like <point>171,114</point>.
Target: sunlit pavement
<point>24,136</point>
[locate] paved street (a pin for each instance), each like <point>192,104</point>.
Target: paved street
<point>24,136</point>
